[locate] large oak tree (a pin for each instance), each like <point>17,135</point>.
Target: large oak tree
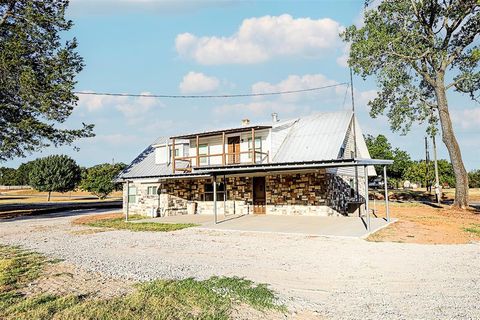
<point>418,50</point>
<point>37,77</point>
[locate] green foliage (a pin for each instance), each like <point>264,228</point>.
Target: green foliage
<point>213,298</point>
<point>474,179</point>
<point>474,228</point>
<point>417,173</point>
<point>121,224</point>
<point>380,148</point>
<point>409,46</point>
<point>8,176</point>
<point>37,77</point>
<point>58,173</point>
<point>99,179</point>
<point>23,173</point>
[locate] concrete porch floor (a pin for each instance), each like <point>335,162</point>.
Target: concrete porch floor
<point>308,225</point>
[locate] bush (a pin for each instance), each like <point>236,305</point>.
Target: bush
<point>99,179</point>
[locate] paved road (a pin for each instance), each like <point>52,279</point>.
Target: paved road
<point>338,278</point>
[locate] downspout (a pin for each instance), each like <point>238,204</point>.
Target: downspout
<point>128,198</point>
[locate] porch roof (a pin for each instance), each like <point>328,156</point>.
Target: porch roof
<point>217,132</point>
<point>290,166</point>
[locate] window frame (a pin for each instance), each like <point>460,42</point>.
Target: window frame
<point>208,195</point>
<point>132,194</point>
<point>154,189</point>
<point>258,148</point>
<point>203,160</point>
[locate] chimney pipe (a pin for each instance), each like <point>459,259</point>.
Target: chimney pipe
<point>245,122</point>
<point>275,117</point>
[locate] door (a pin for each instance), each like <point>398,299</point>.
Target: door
<point>234,150</point>
<point>259,199</point>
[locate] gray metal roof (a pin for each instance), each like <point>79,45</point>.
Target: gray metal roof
<point>315,137</point>
<point>144,165</point>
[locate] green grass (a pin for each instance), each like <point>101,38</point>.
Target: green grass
<point>120,223</point>
<point>474,228</point>
<point>161,299</point>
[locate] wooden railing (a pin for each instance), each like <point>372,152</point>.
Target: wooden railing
<point>227,159</point>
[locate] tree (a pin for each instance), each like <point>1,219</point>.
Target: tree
<point>8,176</point>
<point>416,172</point>
<point>37,77</point>
<point>474,179</point>
<point>99,179</point>
<point>418,50</point>
<point>23,173</point>
<point>57,173</point>
<point>380,148</point>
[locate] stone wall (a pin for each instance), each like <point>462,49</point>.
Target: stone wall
<point>316,193</point>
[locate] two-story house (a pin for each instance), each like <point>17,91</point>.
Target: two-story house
<point>314,165</point>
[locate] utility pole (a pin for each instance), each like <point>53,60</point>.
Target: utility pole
<point>355,155</point>
<point>438,189</point>
<point>427,161</point>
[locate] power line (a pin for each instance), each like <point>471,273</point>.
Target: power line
<point>207,96</point>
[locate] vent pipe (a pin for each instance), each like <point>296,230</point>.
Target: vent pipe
<point>275,117</point>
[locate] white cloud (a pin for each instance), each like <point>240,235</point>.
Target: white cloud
<point>466,118</point>
<point>117,138</point>
<point>259,39</point>
<point>363,97</point>
<point>255,109</point>
<point>195,82</point>
<point>343,59</point>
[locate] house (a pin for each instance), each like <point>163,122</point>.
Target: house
<point>302,166</point>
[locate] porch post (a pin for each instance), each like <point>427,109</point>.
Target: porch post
<point>173,155</point>
<point>223,148</point>
<point>197,159</point>
<point>366,197</point>
<point>215,198</point>
<point>386,192</point>
<point>224,196</point>
<point>254,160</point>
<point>128,204</point>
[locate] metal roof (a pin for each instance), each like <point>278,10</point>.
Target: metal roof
<point>144,165</point>
<point>216,132</point>
<point>316,137</point>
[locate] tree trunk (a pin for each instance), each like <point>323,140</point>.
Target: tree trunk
<point>448,137</point>
<point>49,192</point>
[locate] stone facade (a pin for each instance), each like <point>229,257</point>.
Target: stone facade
<point>315,193</point>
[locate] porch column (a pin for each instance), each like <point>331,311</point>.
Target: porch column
<point>215,198</point>
<point>197,160</point>
<point>173,155</point>
<point>366,198</point>
<point>128,194</point>
<point>224,196</point>
<point>386,192</point>
<point>223,149</point>
<point>253,146</point>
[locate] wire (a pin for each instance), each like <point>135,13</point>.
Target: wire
<point>207,96</point>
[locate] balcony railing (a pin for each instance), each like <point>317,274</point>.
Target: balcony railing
<point>256,157</point>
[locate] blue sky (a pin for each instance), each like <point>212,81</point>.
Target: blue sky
<point>217,47</point>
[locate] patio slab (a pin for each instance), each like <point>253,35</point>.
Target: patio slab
<point>307,225</point>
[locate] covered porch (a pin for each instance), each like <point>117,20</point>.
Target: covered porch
<point>303,225</point>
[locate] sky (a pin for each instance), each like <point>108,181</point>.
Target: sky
<point>221,47</point>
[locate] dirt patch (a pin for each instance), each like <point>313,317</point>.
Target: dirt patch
<point>97,217</point>
<point>64,279</point>
<point>424,224</point>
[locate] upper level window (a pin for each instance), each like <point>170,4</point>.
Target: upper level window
<point>177,152</point>
<point>258,148</point>
<point>203,151</point>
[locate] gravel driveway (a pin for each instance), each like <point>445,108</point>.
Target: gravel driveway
<point>338,278</point>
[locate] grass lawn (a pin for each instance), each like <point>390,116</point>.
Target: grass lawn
<point>215,298</point>
<point>117,221</point>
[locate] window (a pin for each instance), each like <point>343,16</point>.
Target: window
<point>151,191</point>
<point>208,195</point>
<point>177,152</point>
<point>352,188</point>
<point>258,149</point>
<point>203,151</point>
<point>352,154</point>
<point>132,194</point>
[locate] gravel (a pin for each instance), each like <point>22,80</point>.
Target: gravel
<point>336,278</point>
